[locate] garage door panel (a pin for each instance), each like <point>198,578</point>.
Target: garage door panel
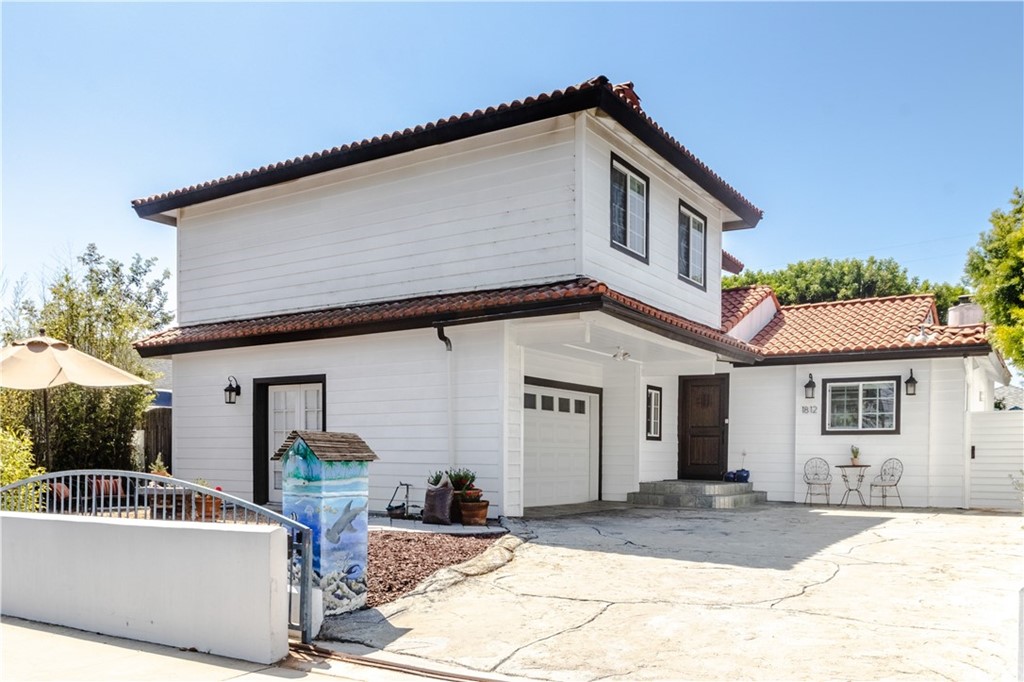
<point>560,449</point>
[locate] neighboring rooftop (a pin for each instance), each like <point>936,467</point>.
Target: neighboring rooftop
<point>620,102</point>
<point>1012,397</point>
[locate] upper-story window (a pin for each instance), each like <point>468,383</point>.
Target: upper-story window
<point>692,244</point>
<point>630,190</point>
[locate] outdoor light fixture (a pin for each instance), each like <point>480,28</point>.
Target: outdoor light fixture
<point>232,391</point>
<point>621,355</point>
<point>809,387</point>
<point>911,384</point>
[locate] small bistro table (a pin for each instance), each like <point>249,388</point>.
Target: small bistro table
<point>854,485</point>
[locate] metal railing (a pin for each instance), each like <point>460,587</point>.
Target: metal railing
<point>111,493</point>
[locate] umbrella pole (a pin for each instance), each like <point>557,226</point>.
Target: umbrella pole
<point>46,428</point>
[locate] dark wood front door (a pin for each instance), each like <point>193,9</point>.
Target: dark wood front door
<point>703,427</point>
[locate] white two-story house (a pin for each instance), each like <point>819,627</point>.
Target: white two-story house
<point>532,291</point>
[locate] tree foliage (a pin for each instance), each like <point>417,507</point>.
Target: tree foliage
<point>16,461</point>
<point>995,267</point>
<point>823,279</point>
<point>99,307</point>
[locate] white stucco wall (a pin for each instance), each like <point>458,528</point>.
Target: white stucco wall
<point>221,589</point>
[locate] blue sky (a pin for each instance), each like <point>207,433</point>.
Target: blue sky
<point>861,129</point>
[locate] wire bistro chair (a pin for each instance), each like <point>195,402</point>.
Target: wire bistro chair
<point>817,473</point>
<point>888,480</point>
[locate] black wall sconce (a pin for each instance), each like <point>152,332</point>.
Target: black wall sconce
<point>809,387</point>
<point>911,384</point>
<point>232,391</point>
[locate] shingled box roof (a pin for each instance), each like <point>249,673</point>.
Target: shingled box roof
<point>330,446</point>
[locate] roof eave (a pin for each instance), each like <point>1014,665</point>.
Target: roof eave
<point>881,354</point>
<point>600,96</point>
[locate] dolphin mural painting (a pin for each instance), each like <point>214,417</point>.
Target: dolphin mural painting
<point>333,534</point>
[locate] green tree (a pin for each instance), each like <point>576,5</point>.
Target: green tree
<point>100,307</point>
<point>995,268</point>
<point>823,279</point>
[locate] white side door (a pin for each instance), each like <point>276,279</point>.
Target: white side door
<point>292,407</point>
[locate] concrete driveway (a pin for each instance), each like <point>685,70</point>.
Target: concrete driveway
<point>776,592</point>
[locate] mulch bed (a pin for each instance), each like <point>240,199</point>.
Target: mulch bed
<point>398,561</point>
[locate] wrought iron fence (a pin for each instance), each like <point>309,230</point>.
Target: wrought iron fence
<point>136,495</point>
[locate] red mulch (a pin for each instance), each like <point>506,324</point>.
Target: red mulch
<point>398,561</point>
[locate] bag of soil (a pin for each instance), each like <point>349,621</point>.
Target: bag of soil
<point>438,503</point>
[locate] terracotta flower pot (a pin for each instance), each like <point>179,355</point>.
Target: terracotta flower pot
<point>474,513</point>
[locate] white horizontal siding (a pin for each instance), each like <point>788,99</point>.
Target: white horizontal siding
<point>391,389</point>
<point>514,435</point>
<point>659,459</point>
<point>494,210</point>
<point>998,441</point>
<point>761,423</point>
<point>620,468</point>
<point>768,421</point>
<point>656,282</point>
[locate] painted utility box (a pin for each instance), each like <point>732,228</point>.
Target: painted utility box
<point>326,486</point>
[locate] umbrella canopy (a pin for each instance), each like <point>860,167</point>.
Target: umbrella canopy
<point>42,362</point>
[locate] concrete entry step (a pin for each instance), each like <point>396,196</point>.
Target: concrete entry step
<point>697,494</point>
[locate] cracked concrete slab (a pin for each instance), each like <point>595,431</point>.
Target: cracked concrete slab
<point>774,592</point>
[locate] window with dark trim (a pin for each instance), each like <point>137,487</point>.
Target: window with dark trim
<point>653,413</point>
<point>530,401</point>
<point>860,405</point>
<point>630,209</point>
<point>692,244</point>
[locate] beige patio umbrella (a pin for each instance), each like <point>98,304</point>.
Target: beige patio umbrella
<point>40,362</point>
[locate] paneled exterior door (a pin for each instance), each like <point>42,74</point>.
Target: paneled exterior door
<point>291,407</point>
<point>703,427</point>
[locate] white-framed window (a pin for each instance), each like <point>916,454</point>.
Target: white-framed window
<point>653,413</point>
<point>630,190</point>
<point>868,405</point>
<point>692,244</point>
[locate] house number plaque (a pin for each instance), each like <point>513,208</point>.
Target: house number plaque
<point>809,409</point>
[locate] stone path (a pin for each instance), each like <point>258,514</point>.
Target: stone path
<point>775,592</point>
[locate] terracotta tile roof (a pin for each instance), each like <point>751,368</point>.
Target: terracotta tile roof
<point>432,133</point>
<point>739,302</point>
<point>870,324</point>
<point>573,295</point>
<point>731,263</point>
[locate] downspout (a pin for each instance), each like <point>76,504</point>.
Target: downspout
<point>439,326</point>
<point>968,387</point>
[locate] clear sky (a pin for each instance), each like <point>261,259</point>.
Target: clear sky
<point>861,129</point>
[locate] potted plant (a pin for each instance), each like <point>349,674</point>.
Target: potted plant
<point>461,479</point>
<point>473,509</point>
<point>157,466</point>
<point>854,455</point>
<point>208,507</point>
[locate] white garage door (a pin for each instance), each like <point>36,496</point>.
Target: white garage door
<point>561,446</point>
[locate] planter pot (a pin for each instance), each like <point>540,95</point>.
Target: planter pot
<point>854,461</point>
<point>474,513</point>
<point>474,495</point>
<point>208,507</point>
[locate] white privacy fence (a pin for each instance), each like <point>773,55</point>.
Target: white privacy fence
<point>997,451</point>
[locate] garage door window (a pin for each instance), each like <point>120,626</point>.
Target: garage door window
<point>530,401</point>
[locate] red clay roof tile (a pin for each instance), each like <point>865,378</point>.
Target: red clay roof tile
<point>623,91</point>
<point>739,302</point>
<point>870,324</point>
<point>415,312</point>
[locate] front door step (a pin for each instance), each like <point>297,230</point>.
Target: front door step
<point>697,494</point>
